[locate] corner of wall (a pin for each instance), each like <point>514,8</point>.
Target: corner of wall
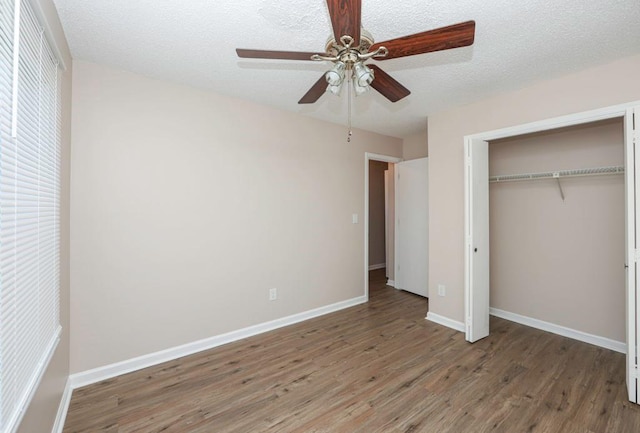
<point>416,145</point>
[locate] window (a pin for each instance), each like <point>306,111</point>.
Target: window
<point>29,208</point>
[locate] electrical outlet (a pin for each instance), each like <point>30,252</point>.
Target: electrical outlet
<point>273,294</point>
<point>442,290</point>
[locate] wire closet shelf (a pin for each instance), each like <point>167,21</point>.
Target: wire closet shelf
<point>581,172</point>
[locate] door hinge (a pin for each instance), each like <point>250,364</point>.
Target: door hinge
<point>634,373</point>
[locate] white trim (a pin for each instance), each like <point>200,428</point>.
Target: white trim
<point>467,239</point>
<point>631,253</point>
<point>368,157</point>
<point>607,343</point>
<point>556,122</point>
<point>383,158</point>
<point>109,371</point>
<point>445,321</point>
<point>61,416</point>
<point>391,283</point>
<point>13,422</point>
<point>378,266</point>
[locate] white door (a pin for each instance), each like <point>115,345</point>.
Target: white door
<point>632,186</point>
<point>476,239</point>
<point>412,226</point>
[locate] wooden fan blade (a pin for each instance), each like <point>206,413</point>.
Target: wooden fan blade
<point>345,18</point>
<point>444,38</point>
<point>315,92</point>
<point>267,54</point>
<point>387,85</point>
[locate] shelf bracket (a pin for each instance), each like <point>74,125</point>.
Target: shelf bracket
<point>556,175</point>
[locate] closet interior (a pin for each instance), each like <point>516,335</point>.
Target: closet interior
<point>557,233</point>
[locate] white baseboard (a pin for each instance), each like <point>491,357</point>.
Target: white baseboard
<point>445,321</point>
<point>378,266</point>
<point>391,283</point>
<point>109,371</point>
<point>58,425</point>
<point>607,343</point>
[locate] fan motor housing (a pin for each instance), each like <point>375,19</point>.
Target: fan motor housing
<point>333,48</point>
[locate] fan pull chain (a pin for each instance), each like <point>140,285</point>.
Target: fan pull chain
<point>349,111</point>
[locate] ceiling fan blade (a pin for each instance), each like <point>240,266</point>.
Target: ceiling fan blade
<point>444,38</point>
<point>387,85</point>
<point>315,92</point>
<point>268,54</point>
<point>345,18</point>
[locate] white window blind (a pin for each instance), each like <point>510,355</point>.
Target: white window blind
<point>29,208</point>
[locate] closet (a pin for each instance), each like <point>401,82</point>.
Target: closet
<point>557,229</point>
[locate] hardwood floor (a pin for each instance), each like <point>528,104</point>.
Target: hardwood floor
<point>378,367</point>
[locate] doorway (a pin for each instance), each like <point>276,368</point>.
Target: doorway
<point>408,267</point>
<point>388,236</point>
<point>380,200</point>
<point>477,223</point>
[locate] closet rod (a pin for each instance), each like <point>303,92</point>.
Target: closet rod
<point>596,171</point>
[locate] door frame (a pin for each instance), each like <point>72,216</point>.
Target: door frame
<point>631,300</point>
<point>370,157</point>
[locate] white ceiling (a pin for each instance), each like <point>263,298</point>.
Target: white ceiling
<point>193,42</point>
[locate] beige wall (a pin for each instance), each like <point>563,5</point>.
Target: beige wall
<point>188,206</point>
<point>605,85</point>
<point>415,146</point>
<point>376,212</point>
<point>41,414</point>
<point>554,260</point>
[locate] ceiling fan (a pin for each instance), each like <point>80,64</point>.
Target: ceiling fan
<point>350,46</point>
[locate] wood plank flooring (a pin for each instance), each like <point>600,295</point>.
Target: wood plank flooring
<point>378,367</point>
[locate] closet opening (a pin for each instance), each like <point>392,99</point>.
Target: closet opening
<point>556,231</point>
<point>564,266</point>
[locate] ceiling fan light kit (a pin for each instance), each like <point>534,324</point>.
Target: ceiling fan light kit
<point>349,60</point>
<point>335,75</point>
<point>363,75</point>
<point>351,46</point>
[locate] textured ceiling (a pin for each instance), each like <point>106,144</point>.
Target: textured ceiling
<point>193,42</point>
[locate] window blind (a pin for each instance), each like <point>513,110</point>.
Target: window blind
<point>29,208</point>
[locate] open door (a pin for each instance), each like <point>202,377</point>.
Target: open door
<point>632,185</point>
<point>476,239</point>
<point>412,226</point>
